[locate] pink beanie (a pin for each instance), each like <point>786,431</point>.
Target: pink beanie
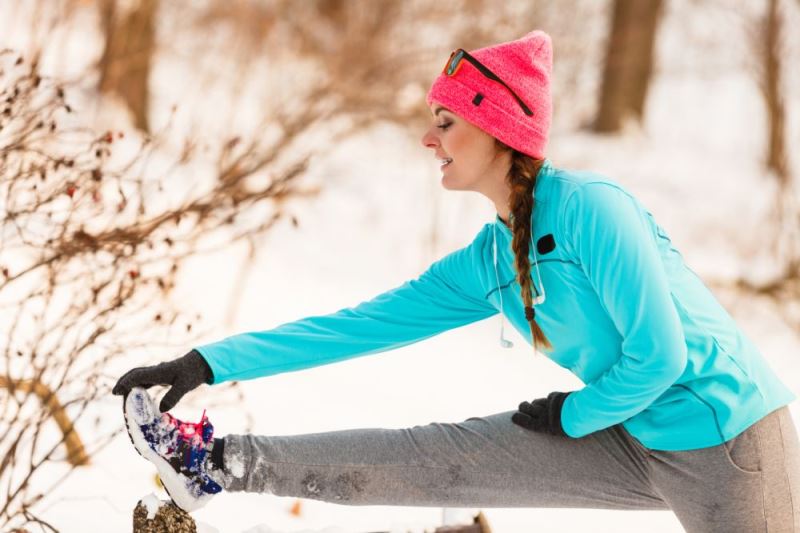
<point>524,65</point>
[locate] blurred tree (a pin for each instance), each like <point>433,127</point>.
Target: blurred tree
<point>784,287</point>
<point>770,40</point>
<point>89,255</point>
<point>628,62</point>
<point>130,43</point>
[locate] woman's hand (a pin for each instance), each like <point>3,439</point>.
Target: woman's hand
<point>184,374</point>
<point>543,414</point>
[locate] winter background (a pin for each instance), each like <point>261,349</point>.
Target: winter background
<point>696,161</point>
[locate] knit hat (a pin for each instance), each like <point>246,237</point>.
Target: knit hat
<point>524,65</point>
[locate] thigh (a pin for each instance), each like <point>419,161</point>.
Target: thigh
<point>604,470</point>
<point>747,484</point>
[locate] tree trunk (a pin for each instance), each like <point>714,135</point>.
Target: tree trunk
<point>127,56</point>
<point>628,62</point>
<point>772,29</point>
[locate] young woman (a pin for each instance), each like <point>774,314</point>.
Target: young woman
<point>679,410</point>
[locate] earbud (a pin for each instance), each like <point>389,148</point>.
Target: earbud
<point>505,343</point>
<point>539,300</point>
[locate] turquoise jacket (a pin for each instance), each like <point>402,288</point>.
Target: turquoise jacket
<point>653,347</point>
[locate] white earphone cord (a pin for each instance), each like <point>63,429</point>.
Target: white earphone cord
<point>505,343</point>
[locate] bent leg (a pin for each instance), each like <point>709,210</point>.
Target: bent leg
<point>751,483</point>
<point>480,462</point>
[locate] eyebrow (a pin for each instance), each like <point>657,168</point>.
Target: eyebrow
<point>439,109</point>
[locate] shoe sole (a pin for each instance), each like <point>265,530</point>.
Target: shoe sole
<point>175,489</point>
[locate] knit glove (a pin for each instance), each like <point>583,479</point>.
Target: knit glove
<point>543,414</point>
<point>183,374</point>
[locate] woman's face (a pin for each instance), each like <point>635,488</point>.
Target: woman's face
<point>475,164</point>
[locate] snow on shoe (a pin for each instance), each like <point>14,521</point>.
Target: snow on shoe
<point>178,449</point>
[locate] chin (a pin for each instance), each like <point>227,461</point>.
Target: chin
<point>446,185</point>
<point>453,185</point>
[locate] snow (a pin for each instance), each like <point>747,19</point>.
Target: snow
<point>696,163</point>
<point>202,527</point>
<point>152,503</point>
<point>235,464</point>
<point>267,529</point>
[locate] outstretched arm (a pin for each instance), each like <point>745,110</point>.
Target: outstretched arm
<point>445,296</point>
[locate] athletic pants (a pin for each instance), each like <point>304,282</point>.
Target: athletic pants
<point>750,483</point>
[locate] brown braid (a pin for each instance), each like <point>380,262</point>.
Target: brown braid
<point>522,179</point>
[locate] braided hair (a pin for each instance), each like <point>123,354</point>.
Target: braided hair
<point>521,179</point>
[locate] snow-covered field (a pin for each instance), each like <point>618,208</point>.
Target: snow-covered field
<point>696,164</point>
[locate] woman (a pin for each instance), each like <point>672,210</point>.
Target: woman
<point>679,409</point>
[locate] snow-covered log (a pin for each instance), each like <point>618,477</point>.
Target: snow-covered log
<point>152,515</point>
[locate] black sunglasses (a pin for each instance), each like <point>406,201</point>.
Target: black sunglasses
<point>455,61</point>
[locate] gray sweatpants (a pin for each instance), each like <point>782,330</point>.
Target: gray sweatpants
<point>749,484</point>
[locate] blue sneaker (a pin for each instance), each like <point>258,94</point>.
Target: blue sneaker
<point>179,450</point>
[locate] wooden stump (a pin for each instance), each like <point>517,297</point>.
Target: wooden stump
<point>168,519</point>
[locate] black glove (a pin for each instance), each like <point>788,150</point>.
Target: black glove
<point>542,415</point>
<point>184,374</point>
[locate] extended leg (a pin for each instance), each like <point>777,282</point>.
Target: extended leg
<point>480,462</point>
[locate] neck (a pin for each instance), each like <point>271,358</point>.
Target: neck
<point>500,196</point>
<point>501,205</point>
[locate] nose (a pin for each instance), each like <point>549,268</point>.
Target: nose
<point>429,139</point>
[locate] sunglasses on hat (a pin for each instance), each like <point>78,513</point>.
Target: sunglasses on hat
<point>455,62</point>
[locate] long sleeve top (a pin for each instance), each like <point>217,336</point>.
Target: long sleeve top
<point>654,349</point>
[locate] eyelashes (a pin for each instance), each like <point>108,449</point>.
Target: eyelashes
<point>444,126</point>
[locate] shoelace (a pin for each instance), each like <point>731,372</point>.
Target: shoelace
<point>190,429</point>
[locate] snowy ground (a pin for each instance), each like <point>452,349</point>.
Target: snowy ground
<point>696,165</point>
